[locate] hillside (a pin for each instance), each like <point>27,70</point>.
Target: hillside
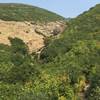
<point>66,68</point>
<point>22,12</point>
<point>84,27</point>
<point>78,52</point>
<point>29,23</point>
<point>32,34</point>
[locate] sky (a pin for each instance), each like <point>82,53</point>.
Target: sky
<point>66,8</point>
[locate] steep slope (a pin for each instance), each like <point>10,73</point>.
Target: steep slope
<point>32,34</point>
<point>85,27</point>
<point>87,22</point>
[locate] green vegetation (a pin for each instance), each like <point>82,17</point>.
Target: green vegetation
<point>20,12</point>
<point>65,67</point>
<point>77,52</point>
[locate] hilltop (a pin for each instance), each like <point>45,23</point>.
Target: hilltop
<point>22,12</point>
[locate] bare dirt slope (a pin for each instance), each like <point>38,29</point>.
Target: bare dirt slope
<point>28,32</point>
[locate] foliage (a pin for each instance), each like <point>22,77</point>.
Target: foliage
<point>22,12</point>
<point>67,64</point>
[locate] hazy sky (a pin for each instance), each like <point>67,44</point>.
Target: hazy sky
<point>66,8</point>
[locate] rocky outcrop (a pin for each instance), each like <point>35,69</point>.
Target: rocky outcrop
<point>51,28</point>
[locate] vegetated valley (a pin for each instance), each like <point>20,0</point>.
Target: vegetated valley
<point>44,56</point>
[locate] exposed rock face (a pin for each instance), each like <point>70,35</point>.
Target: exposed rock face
<point>51,28</point>
<point>32,34</point>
